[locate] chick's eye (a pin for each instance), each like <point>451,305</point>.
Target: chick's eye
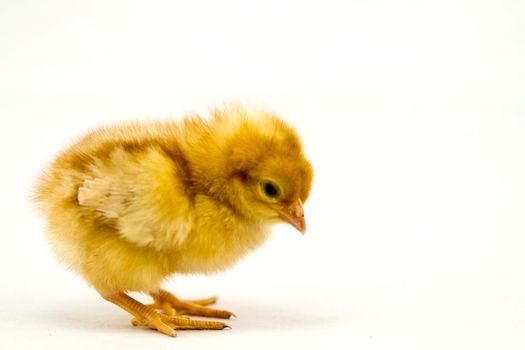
<point>270,190</point>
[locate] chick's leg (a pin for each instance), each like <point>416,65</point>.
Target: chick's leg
<point>172,305</point>
<point>147,316</point>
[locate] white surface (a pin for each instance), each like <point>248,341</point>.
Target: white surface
<point>412,112</point>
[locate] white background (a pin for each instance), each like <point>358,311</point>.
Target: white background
<point>412,112</point>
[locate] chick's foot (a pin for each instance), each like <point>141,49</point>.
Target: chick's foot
<point>147,316</point>
<point>171,305</point>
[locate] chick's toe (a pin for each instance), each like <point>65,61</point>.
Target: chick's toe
<point>166,301</point>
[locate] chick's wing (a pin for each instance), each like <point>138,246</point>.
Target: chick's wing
<point>141,194</point>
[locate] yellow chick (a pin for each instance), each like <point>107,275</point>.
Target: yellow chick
<point>129,205</point>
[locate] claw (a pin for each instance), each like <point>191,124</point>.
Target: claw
<point>165,329</point>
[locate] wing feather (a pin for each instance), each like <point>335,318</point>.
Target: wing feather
<point>142,195</point>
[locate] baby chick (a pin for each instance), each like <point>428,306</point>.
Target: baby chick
<point>129,205</point>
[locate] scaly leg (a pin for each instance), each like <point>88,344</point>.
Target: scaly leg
<point>171,305</point>
<point>147,316</point>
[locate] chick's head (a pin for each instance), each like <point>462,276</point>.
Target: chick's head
<point>268,177</point>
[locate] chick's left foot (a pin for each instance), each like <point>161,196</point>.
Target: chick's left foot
<point>171,306</point>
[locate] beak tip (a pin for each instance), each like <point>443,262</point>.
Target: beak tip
<point>298,223</point>
<point>294,215</point>
<point>301,227</point>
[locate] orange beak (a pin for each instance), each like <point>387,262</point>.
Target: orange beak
<point>294,215</point>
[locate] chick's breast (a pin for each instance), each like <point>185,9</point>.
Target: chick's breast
<point>218,239</point>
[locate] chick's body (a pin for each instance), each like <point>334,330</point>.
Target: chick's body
<point>129,205</point>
